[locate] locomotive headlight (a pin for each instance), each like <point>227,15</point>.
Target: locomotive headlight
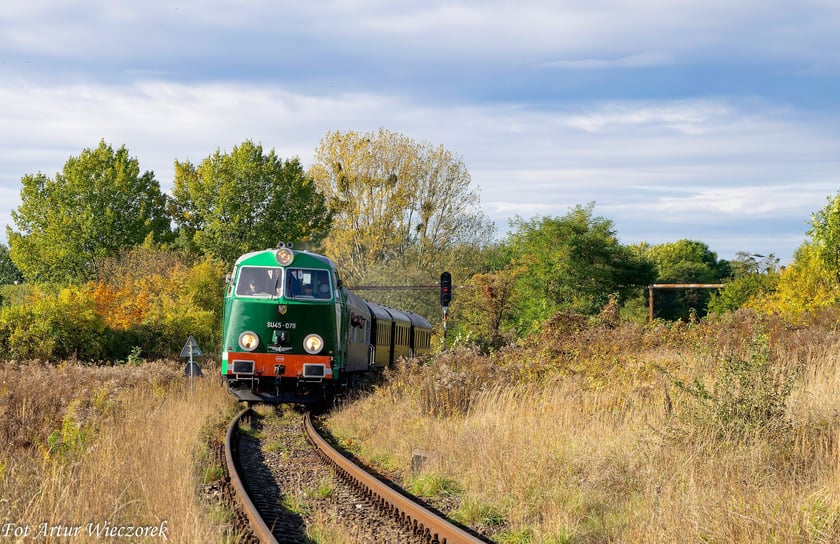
<point>284,256</point>
<point>249,341</point>
<point>313,344</point>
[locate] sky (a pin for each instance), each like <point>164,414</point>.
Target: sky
<point>708,120</point>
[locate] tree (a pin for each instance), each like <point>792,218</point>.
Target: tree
<point>754,278</point>
<point>97,205</point>
<point>245,200</point>
<point>9,273</point>
<point>746,263</point>
<point>485,305</point>
<point>744,290</point>
<point>812,280</point>
<point>395,201</point>
<point>825,236</point>
<point>685,261</point>
<point>806,285</point>
<point>574,263</point>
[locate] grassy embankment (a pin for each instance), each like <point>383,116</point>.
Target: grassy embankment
<point>113,447</point>
<point>721,431</point>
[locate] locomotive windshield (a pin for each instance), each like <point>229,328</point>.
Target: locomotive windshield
<point>308,283</point>
<point>296,283</point>
<point>259,281</point>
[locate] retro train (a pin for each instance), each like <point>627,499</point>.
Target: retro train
<point>293,333</point>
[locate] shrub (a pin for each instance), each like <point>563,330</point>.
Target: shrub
<point>57,325</point>
<point>155,299</point>
<point>745,394</point>
<point>446,386</point>
<point>147,301</point>
<point>739,292</point>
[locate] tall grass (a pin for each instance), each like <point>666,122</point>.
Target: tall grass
<point>620,453</point>
<point>112,446</point>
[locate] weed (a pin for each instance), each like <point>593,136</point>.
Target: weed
<point>746,394</point>
<point>518,536</point>
<point>477,512</point>
<point>295,505</point>
<point>564,536</point>
<point>821,516</point>
<point>325,530</point>
<point>221,514</point>
<point>213,474</point>
<point>276,447</point>
<point>70,440</point>
<point>324,490</point>
<point>134,358</point>
<point>433,485</point>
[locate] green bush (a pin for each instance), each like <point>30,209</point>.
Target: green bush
<point>738,292</point>
<point>745,394</point>
<point>53,325</point>
<point>149,301</point>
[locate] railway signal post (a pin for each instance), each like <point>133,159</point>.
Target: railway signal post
<point>445,299</point>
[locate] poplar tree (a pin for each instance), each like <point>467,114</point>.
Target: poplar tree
<point>396,203</point>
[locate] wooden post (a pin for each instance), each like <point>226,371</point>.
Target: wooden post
<point>650,303</point>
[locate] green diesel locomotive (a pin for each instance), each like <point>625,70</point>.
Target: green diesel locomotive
<point>291,332</point>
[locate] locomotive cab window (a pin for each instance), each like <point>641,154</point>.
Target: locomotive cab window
<point>259,281</point>
<point>308,283</point>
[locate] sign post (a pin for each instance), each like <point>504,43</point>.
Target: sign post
<point>191,350</point>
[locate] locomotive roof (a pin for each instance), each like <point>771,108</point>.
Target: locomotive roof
<point>302,259</point>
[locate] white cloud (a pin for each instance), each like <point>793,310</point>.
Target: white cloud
<point>734,167</point>
<point>563,34</point>
<point>532,149</point>
<point>636,60</point>
<point>699,204</point>
<point>690,116</point>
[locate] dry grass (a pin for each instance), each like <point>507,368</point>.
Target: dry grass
<point>117,446</point>
<point>608,456</point>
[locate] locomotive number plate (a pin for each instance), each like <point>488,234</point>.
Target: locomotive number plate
<point>280,325</point>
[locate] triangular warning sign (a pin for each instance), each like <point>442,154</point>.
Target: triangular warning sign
<point>191,348</point>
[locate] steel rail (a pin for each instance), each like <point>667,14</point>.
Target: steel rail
<point>261,530</point>
<point>420,519</point>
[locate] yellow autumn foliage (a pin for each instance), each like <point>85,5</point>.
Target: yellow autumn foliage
<point>804,287</point>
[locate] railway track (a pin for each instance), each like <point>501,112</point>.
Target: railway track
<point>258,494</point>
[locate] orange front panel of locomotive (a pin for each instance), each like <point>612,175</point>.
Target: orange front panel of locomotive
<point>275,364</point>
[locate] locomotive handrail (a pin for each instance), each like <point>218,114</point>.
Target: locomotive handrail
<point>261,530</point>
